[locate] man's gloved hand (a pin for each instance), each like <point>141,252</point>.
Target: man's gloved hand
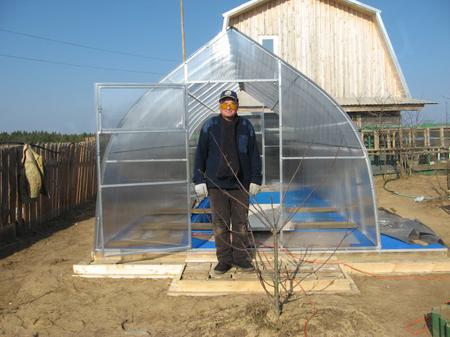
<point>201,190</point>
<point>254,189</point>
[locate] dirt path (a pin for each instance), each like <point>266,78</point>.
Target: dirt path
<point>40,297</point>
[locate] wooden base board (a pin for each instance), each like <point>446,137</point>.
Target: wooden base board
<point>198,279</point>
<point>229,287</point>
<point>150,271</point>
<point>269,207</point>
<point>398,268</point>
<point>423,255</point>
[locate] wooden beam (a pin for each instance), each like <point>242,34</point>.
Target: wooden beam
<point>127,270</point>
<point>226,287</point>
<point>321,225</point>
<point>402,267</point>
<point>289,209</point>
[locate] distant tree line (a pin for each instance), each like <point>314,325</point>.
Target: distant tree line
<point>33,137</point>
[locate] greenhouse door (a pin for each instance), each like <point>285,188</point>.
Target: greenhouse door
<point>143,168</point>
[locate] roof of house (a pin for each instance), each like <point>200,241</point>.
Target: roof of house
<point>352,3</point>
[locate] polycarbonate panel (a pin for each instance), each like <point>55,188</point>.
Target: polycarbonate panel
<point>138,108</point>
<point>145,217</point>
<point>229,57</point>
<point>143,171</point>
<point>264,92</point>
<point>313,125</point>
<point>144,178</point>
<point>341,184</point>
<point>115,104</point>
<point>272,164</point>
<point>255,119</point>
<point>138,146</point>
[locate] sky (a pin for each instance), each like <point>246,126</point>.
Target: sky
<point>48,85</point>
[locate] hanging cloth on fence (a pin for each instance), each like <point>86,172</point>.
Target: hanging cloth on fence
<point>32,173</point>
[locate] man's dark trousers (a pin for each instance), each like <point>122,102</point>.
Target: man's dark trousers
<point>230,206</point>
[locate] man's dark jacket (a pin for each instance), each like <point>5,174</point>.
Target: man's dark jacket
<point>208,155</point>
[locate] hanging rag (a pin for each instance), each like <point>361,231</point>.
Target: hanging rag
<point>32,173</point>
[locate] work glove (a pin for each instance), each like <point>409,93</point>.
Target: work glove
<point>201,190</point>
<point>254,189</point>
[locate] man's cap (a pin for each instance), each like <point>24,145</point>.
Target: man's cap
<point>228,94</point>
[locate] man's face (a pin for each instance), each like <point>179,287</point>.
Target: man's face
<point>228,108</point>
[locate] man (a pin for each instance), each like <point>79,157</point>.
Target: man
<point>228,169</point>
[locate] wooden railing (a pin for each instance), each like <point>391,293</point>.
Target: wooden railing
<point>70,179</point>
<point>407,150</point>
<point>417,139</point>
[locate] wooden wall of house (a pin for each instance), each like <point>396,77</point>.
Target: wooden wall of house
<point>339,47</point>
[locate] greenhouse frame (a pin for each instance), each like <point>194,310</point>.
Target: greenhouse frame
<point>317,180</point>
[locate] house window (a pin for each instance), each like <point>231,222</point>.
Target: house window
<point>270,43</point>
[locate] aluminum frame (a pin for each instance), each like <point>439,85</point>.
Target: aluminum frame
<point>100,242</point>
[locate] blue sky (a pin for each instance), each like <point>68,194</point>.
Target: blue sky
<point>55,97</point>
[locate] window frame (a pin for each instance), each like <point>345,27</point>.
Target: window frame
<point>274,38</point>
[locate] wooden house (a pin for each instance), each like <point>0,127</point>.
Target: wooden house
<point>342,45</point>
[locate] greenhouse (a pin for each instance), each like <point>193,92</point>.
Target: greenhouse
<point>317,181</point>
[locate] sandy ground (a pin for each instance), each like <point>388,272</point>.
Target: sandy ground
<point>40,297</point>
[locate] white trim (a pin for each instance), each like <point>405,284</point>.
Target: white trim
<point>274,38</point>
<point>239,9</point>
<point>354,3</point>
<point>360,5</point>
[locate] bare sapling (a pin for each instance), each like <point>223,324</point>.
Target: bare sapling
<point>279,270</point>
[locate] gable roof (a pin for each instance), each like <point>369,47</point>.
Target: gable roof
<point>352,3</point>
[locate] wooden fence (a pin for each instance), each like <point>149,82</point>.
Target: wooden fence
<point>407,149</point>
<point>419,139</point>
<point>70,179</point>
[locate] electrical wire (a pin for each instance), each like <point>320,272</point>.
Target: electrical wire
<point>74,44</point>
<point>76,64</point>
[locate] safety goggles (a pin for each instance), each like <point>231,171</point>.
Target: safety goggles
<point>228,105</point>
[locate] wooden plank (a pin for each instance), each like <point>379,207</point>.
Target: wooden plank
<point>72,170</point>
<point>93,168</point>
<point>4,185</point>
<point>311,209</point>
<point>320,225</point>
<point>196,211</point>
<point>84,176</point>
<point>75,175</point>
<point>39,217</point>
<point>46,199</point>
<point>89,166</point>
<point>56,191</point>
<point>79,177</point>
<point>217,287</point>
<point>75,171</point>
<point>201,226</point>
<point>65,182</point>
<point>393,268</point>
<point>54,180</point>
<point>61,185</point>
<point>289,209</point>
<point>162,225</point>
<point>32,207</point>
<point>19,213</point>
<point>50,180</point>
<point>149,271</point>
<point>12,184</point>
